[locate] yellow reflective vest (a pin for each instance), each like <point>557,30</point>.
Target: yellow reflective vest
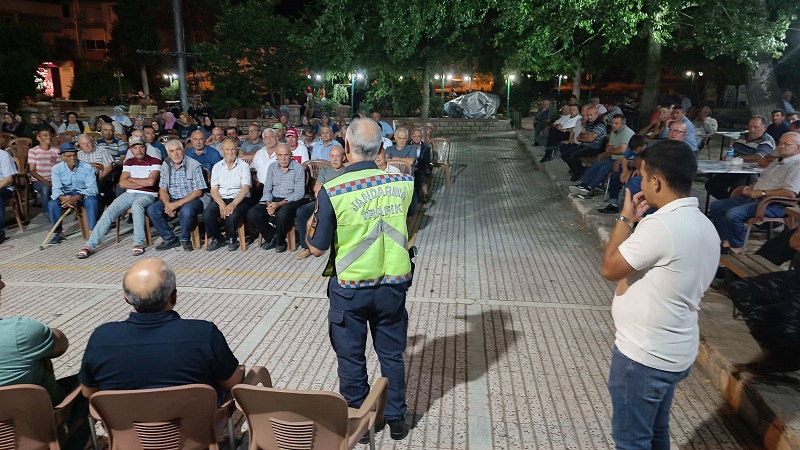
<point>371,239</point>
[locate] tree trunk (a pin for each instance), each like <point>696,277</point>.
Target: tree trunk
<point>145,83</point>
<point>576,82</point>
<point>271,93</point>
<point>652,77</point>
<point>426,92</point>
<point>763,93</point>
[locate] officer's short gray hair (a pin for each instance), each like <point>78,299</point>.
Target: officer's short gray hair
<point>365,137</point>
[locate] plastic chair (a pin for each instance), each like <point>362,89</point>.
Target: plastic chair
<point>147,239</point>
<point>19,154</point>
<point>742,98</point>
<point>134,110</point>
<point>307,420</point>
<point>729,98</point>
<point>9,136</point>
<point>440,147</point>
<point>315,165</point>
<point>151,111</point>
<point>22,141</point>
<point>759,218</point>
<point>28,421</point>
<point>16,200</point>
<point>174,417</point>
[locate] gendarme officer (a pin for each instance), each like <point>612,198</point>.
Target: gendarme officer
<point>362,215</point>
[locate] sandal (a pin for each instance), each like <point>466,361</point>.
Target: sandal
<point>137,250</point>
<point>84,253</point>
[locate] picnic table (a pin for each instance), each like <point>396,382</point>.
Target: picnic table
<point>712,167</point>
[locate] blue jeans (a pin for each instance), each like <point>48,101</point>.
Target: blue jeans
<point>729,215</point>
<point>383,310</point>
<point>597,172</point>
<point>91,207</point>
<point>44,191</point>
<point>137,202</point>
<point>640,397</point>
<point>187,216</point>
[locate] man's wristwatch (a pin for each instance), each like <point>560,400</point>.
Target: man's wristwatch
<point>763,194</point>
<point>626,221</point>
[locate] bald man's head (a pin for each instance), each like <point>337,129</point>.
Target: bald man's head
<point>149,286</point>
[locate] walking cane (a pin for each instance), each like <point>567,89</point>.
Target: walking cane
<point>53,230</point>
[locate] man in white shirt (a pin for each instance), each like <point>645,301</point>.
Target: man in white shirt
<point>662,270</point>
<point>230,194</point>
<point>299,150</point>
<point>561,130</point>
<point>266,156</point>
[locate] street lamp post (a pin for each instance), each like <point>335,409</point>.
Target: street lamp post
<point>118,75</point>
<point>353,77</point>
<point>509,80</point>
<point>692,74</point>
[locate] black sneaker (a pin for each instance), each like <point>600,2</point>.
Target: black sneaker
<point>281,248</point>
<point>187,246</point>
<point>213,244</point>
<point>269,245</point>
<point>609,209</point>
<point>166,245</point>
<point>398,429</point>
<point>545,158</point>
<point>232,245</point>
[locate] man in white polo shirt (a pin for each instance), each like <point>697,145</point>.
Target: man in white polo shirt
<point>662,270</point>
<point>140,176</point>
<point>230,195</point>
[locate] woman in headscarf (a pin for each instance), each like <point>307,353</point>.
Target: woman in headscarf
<point>207,125</point>
<point>72,124</point>
<point>157,128</point>
<point>169,120</point>
<point>91,125</point>
<point>33,127</point>
<point>120,117</point>
<point>13,124</point>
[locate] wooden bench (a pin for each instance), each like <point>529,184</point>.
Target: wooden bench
<point>745,266</point>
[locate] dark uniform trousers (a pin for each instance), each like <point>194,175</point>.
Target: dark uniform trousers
<point>383,309</point>
<point>211,218</point>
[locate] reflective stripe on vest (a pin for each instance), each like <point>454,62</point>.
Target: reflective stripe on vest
<point>371,242</point>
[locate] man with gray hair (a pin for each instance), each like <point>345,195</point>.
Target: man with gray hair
<point>362,214</point>
<point>155,347</point>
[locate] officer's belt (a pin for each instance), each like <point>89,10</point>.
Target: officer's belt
<point>360,249</point>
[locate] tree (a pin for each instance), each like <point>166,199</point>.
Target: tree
<point>133,31</point>
<point>255,51</point>
<point>22,51</point>
<point>428,36</point>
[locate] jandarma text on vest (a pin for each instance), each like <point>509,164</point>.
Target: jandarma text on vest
<point>375,192</point>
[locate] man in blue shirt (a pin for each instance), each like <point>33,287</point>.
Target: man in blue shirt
<point>7,172</point>
<point>206,155</point>
<point>74,185</point>
<point>322,147</point>
<point>155,347</point>
<point>387,130</point>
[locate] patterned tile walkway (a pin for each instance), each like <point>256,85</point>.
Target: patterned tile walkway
<point>510,331</point>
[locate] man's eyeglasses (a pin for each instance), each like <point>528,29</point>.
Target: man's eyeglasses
<point>677,132</point>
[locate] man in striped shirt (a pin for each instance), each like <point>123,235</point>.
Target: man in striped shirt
<point>41,160</point>
<point>140,176</point>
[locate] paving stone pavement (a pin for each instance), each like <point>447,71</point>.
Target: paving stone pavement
<point>510,331</point>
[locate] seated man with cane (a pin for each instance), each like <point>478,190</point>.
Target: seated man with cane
<point>74,186</point>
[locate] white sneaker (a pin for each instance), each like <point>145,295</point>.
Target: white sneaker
<point>578,190</point>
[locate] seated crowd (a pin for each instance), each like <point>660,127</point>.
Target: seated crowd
<point>198,173</point>
<point>767,302</point>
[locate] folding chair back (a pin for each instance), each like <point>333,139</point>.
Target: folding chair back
<point>26,418</point>
<point>404,168</point>
<point>151,111</point>
<point>22,141</point>
<point>9,136</point>
<point>180,417</point>
<point>135,111</point>
<point>300,420</point>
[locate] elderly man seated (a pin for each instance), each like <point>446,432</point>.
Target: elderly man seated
<point>704,126</point>
<point>589,144</point>
<point>180,190</point>
<point>561,129</point>
<point>401,151</point>
<point>304,212</point>
<point>284,191</point>
<point>91,154</point>
<point>206,155</point>
<point>230,195</point>
<point>7,172</point>
<point>614,151</point>
<point>322,147</point>
<point>781,178</point>
<point>140,180</point>
<point>155,347</point>
<point>755,146</point>
<point>252,143</point>
<point>265,157</point>
<point>74,185</point>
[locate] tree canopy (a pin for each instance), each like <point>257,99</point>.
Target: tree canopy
<point>22,50</point>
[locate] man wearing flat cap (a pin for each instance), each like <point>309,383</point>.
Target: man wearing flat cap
<point>74,184</point>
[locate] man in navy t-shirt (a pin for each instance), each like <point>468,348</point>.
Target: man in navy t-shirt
<point>155,347</point>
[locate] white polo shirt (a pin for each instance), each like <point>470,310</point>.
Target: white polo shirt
<point>675,253</point>
<point>261,162</point>
<point>231,180</point>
